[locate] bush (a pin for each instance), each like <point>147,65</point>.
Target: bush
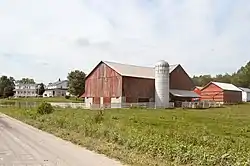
<point>99,117</point>
<point>67,97</point>
<point>45,108</point>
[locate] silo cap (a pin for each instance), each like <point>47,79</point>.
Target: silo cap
<point>162,63</point>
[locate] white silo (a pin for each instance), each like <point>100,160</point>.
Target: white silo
<point>162,84</point>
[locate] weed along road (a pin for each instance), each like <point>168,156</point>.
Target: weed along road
<point>21,144</point>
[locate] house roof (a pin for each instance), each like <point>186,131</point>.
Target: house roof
<point>57,83</point>
<point>225,86</point>
<point>183,93</point>
<point>133,70</point>
<point>245,89</point>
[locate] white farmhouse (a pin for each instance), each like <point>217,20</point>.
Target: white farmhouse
<point>56,89</point>
<point>245,94</point>
<point>25,90</point>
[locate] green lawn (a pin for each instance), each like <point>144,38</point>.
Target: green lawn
<point>41,99</point>
<point>153,137</point>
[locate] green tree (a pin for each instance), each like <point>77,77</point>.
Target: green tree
<point>202,80</point>
<point>239,78</point>
<point>76,82</point>
<point>26,81</point>
<point>41,89</point>
<point>7,86</point>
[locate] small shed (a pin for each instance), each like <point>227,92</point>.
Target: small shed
<point>224,93</point>
<point>197,90</point>
<point>245,94</point>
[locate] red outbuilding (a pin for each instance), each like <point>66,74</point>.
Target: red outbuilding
<point>197,90</point>
<point>221,92</point>
<point>116,83</point>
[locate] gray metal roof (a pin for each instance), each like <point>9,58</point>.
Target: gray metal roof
<point>135,71</point>
<point>227,86</point>
<point>245,89</point>
<point>183,93</point>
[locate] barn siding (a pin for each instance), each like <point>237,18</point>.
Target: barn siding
<point>134,88</point>
<point>232,97</point>
<point>212,93</point>
<point>215,93</point>
<point>197,91</point>
<point>103,82</point>
<point>179,79</point>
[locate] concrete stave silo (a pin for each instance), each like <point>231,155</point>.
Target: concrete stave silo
<point>162,84</point>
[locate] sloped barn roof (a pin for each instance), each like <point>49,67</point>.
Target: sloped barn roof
<point>133,70</point>
<point>225,86</point>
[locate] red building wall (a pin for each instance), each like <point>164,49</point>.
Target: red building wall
<point>212,93</point>
<point>197,91</point>
<point>103,82</point>
<point>135,88</point>
<point>232,97</point>
<point>179,79</point>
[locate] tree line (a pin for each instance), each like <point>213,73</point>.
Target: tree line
<point>76,84</point>
<point>240,78</point>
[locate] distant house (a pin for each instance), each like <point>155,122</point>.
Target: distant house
<point>56,89</point>
<point>221,92</point>
<point>245,94</point>
<point>25,90</point>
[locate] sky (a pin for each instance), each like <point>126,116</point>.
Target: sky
<point>45,39</point>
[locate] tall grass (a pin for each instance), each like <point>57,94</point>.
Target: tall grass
<point>153,137</point>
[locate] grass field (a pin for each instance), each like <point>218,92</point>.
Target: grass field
<point>41,99</point>
<point>153,137</point>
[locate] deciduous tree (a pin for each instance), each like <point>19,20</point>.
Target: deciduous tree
<point>76,82</point>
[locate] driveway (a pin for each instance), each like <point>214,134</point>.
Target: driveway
<point>21,145</point>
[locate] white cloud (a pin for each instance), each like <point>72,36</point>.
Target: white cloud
<point>47,38</point>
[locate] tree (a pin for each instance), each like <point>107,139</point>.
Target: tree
<point>26,81</point>
<point>240,78</point>
<point>76,82</point>
<point>202,80</point>
<point>40,89</point>
<point>7,86</point>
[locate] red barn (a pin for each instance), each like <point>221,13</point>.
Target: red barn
<point>115,83</point>
<point>221,92</point>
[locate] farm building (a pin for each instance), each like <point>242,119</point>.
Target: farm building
<point>221,92</point>
<point>116,83</point>
<point>197,90</point>
<point>245,94</point>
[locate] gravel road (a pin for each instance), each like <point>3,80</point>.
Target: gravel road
<point>21,145</point>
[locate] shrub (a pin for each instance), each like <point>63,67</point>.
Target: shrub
<point>99,117</point>
<point>45,108</point>
<point>67,97</point>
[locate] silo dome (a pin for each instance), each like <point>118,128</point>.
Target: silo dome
<point>162,63</point>
<point>162,84</point>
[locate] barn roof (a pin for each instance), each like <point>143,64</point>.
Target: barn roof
<point>245,89</point>
<point>135,71</point>
<point>225,86</point>
<point>183,93</point>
